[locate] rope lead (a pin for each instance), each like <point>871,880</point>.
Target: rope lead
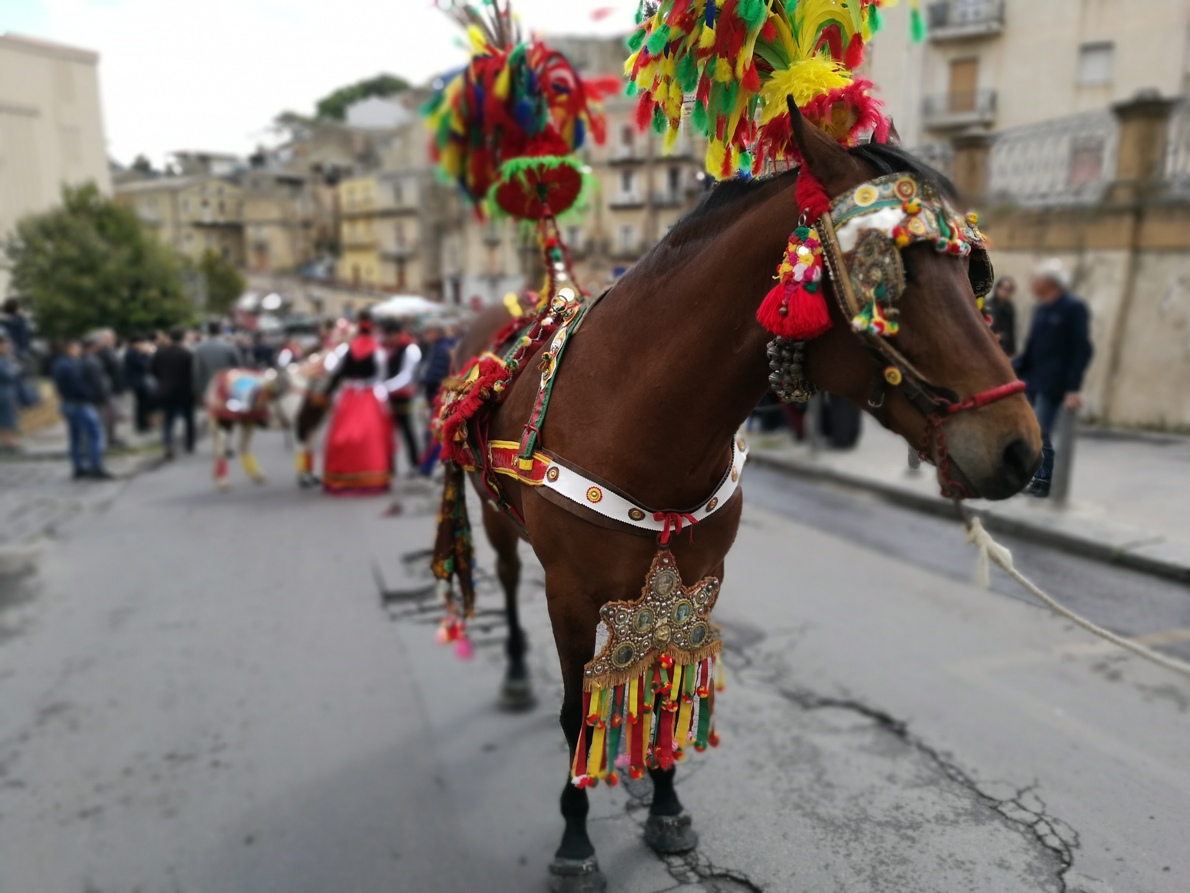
<point>991,552</point>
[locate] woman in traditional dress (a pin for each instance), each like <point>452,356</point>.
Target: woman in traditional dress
<point>358,454</point>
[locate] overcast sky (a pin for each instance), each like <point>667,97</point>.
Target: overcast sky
<point>212,74</point>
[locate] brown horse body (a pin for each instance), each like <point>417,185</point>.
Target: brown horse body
<point>657,382</point>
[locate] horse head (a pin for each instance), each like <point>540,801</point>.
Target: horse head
<point>943,382</point>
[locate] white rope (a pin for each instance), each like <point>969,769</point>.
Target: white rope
<point>991,552</point>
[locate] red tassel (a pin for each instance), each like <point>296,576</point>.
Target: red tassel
<point>805,313</point>
<point>644,112</point>
<point>854,57</point>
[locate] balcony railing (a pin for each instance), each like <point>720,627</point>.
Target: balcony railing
<point>399,252</point>
<point>627,200</point>
<point>667,199</point>
<point>956,19</point>
<point>960,109</point>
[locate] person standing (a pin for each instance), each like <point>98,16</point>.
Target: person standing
<point>113,371</point>
<point>99,383</point>
<point>211,356</point>
<point>77,401</point>
<point>403,358</point>
<point>358,447</point>
<point>10,378</point>
<point>439,357</point>
<point>1002,311</point>
<point>17,327</point>
<point>173,368</point>
<point>1054,360</point>
<point>139,380</point>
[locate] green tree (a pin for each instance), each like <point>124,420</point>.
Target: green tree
<point>224,282</point>
<point>334,106</point>
<point>91,263</point>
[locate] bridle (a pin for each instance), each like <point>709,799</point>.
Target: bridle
<point>862,234</point>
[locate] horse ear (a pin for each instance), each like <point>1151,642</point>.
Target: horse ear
<point>823,157</point>
<point>894,138</point>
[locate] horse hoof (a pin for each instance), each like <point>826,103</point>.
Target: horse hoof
<point>576,876</point>
<point>516,695</point>
<point>670,834</point>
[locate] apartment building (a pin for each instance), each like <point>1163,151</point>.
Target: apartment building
<point>51,128</point>
<point>995,65</point>
<point>279,220</point>
<point>192,214</point>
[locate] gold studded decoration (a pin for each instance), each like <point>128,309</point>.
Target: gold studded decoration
<point>650,690</point>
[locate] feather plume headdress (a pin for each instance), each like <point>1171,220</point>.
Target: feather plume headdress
<point>737,61</point>
<point>506,126</point>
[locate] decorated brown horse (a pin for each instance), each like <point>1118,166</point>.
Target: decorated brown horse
<point>605,431</point>
<point>243,398</point>
<point>645,408</point>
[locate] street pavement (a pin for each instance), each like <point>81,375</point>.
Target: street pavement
<point>240,692</point>
<point>1127,502</point>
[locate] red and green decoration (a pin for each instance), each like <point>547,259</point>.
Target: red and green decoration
<point>734,65</point>
<point>507,125</point>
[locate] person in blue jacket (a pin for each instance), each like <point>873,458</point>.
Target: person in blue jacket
<point>78,400</point>
<point>1055,357</point>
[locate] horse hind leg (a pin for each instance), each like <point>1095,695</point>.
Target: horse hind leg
<point>219,433</point>
<point>516,692</point>
<point>247,460</point>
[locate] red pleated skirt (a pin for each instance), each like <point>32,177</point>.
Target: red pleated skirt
<point>358,449</point>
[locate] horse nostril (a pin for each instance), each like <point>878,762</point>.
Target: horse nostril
<point>1019,462</point>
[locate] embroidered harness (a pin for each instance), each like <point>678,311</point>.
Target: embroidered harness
<point>562,482</point>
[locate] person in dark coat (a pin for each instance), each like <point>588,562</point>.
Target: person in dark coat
<point>1002,311</point>
<point>10,379</point>
<point>77,399</point>
<point>17,326</point>
<point>173,368</point>
<point>1054,360</point>
<point>138,379</point>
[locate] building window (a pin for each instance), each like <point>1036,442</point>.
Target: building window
<point>628,238</point>
<point>400,234</point>
<point>627,135</point>
<point>400,275</point>
<point>574,236</point>
<point>398,193</point>
<point>185,206</point>
<point>627,183</point>
<point>1095,63</point>
<point>675,180</point>
<point>221,209</point>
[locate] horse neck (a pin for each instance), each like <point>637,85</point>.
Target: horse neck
<point>685,320</point>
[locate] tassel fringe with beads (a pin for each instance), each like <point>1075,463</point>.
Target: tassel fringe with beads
<point>648,721</point>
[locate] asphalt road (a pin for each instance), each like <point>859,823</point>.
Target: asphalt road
<point>207,693</point>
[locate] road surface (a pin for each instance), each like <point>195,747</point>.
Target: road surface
<point>208,693</point>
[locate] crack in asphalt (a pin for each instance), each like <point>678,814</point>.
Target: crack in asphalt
<point>1025,811</point>
<point>686,869</point>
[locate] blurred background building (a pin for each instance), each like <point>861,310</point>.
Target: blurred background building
<point>1065,122</point>
<point>51,128</point>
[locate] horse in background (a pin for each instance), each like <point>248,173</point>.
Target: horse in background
<point>243,398</point>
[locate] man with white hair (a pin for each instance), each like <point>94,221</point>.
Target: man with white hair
<point>1055,357</point>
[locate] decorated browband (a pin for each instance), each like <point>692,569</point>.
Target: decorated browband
<point>871,224</point>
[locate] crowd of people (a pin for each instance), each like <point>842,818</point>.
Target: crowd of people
<point>158,382</point>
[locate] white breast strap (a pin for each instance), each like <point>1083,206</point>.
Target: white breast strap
<point>577,488</point>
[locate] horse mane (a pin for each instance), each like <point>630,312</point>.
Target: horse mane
<point>711,215</point>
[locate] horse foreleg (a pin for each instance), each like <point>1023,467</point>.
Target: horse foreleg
<point>517,691</point>
<point>575,868</point>
<point>247,460</point>
<point>219,433</point>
